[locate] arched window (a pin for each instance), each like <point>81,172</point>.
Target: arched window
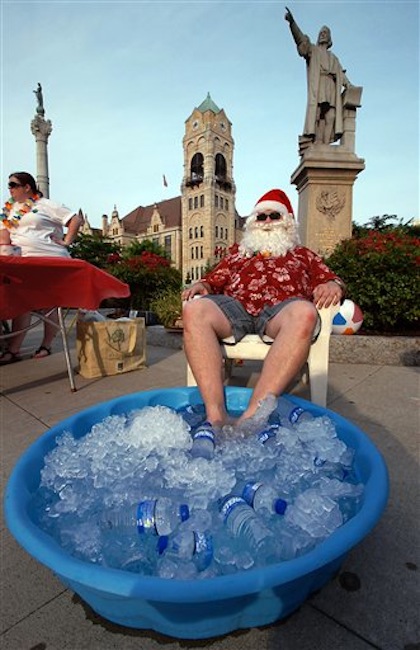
<point>190,233</point>
<point>217,232</point>
<point>196,232</point>
<point>197,167</point>
<point>201,231</point>
<point>220,167</point>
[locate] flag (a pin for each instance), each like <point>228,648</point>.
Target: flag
<point>165,182</point>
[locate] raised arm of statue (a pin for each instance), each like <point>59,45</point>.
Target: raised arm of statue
<point>302,40</point>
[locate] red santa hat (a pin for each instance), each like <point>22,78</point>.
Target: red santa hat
<point>275,200</point>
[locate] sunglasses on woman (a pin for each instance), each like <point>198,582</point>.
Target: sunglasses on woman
<point>274,216</point>
<point>12,185</point>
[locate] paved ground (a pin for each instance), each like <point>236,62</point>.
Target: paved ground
<point>38,613</point>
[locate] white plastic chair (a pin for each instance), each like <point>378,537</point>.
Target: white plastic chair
<point>252,347</point>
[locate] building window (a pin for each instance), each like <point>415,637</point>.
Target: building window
<point>196,201</point>
<point>196,232</point>
<point>226,204</point>
<point>197,167</point>
<point>226,233</point>
<point>201,200</point>
<point>190,233</point>
<point>190,204</point>
<point>220,167</point>
<point>216,201</point>
<point>201,231</point>
<point>168,245</point>
<point>156,228</point>
<point>217,232</point>
<point>192,252</point>
<point>201,252</point>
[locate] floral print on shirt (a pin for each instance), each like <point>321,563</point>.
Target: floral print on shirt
<point>258,281</point>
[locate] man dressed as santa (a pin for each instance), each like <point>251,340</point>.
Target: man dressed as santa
<point>267,285</point>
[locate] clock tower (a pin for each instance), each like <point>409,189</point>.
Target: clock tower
<point>208,190</point>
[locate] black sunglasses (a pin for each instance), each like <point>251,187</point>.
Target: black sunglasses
<point>274,216</point>
<point>12,184</point>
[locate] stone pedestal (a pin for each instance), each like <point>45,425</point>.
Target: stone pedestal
<point>324,180</point>
<point>41,129</point>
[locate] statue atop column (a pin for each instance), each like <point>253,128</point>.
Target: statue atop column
<point>330,93</point>
<point>40,106</point>
<point>41,130</point>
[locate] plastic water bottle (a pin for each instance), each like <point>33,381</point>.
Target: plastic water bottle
<point>261,496</point>
<point>203,441</point>
<point>243,522</point>
<point>290,413</point>
<point>156,516</point>
<point>186,546</point>
<point>268,434</point>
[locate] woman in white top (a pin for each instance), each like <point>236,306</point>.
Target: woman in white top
<point>33,226</point>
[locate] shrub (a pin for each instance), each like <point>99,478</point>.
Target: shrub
<point>381,271</point>
<point>147,274</point>
<point>167,306</point>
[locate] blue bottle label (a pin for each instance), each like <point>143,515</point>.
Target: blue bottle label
<point>146,516</point>
<point>230,504</point>
<point>266,434</point>
<point>204,434</point>
<point>295,414</point>
<point>203,549</point>
<point>249,491</point>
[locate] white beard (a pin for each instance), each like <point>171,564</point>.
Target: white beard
<point>274,237</point>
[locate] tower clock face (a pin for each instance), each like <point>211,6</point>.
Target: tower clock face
<point>195,124</point>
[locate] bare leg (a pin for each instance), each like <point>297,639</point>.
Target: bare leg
<point>204,324</point>
<point>19,323</point>
<point>50,330</point>
<point>292,330</point>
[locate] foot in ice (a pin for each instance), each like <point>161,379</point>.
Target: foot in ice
<point>248,425</point>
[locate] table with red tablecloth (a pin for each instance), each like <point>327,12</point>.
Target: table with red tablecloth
<point>34,283</point>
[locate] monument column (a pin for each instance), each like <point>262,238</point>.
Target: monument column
<point>41,129</point>
<point>324,180</point>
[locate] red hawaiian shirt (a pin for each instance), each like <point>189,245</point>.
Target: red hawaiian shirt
<point>259,281</point>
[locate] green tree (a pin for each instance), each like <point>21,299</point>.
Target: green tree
<point>136,248</point>
<point>94,249</point>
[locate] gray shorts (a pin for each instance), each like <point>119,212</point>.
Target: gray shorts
<point>243,323</point>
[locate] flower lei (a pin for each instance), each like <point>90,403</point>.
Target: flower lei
<point>12,220</point>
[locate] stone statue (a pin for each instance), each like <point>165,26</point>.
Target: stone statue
<point>40,107</point>
<point>324,120</point>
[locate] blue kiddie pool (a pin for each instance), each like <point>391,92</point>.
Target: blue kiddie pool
<point>193,608</point>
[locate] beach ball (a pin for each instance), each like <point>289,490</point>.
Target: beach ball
<point>348,319</point>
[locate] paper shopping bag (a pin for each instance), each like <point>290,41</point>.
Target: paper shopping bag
<point>110,347</point>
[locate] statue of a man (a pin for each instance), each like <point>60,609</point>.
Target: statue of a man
<point>40,108</point>
<point>326,80</point>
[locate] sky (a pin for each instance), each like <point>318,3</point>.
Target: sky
<point>120,78</point>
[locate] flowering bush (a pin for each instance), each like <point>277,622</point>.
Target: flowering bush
<point>381,270</point>
<point>147,274</point>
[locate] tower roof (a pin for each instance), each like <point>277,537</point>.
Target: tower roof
<point>208,105</point>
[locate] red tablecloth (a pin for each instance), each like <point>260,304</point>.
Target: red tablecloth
<point>31,283</point>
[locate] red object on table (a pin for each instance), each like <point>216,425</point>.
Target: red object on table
<point>32,283</point>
